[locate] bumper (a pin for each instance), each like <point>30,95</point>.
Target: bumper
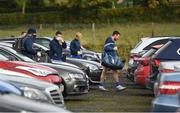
<point>94,76</point>
<point>140,79</point>
<point>140,75</point>
<point>165,103</point>
<point>75,87</point>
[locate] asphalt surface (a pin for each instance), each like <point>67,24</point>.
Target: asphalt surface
<point>134,99</point>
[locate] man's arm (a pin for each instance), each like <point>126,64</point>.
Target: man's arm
<point>29,47</point>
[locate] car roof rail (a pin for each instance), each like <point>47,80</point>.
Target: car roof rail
<point>170,36</point>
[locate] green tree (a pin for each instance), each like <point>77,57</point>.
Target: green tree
<point>153,3</point>
<point>22,4</point>
<point>85,3</point>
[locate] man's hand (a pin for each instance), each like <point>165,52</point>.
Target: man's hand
<point>39,54</point>
<point>79,52</point>
<point>61,40</point>
<point>115,48</point>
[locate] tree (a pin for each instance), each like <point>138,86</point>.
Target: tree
<point>85,3</point>
<point>153,3</point>
<point>22,4</point>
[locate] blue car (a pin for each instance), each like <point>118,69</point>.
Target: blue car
<point>8,88</point>
<point>166,89</point>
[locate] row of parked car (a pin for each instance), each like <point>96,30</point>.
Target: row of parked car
<point>155,64</point>
<point>42,85</point>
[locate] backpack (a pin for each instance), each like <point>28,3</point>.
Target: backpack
<point>18,46</point>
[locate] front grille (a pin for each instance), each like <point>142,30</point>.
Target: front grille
<point>56,96</point>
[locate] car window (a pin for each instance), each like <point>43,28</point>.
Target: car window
<point>162,48</point>
<point>20,56</point>
<point>149,53</point>
<point>163,41</point>
<point>3,58</point>
<point>7,55</point>
<point>44,43</point>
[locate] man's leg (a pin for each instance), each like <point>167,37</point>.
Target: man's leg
<point>116,79</point>
<point>102,79</point>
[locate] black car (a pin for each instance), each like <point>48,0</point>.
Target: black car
<point>169,52</point>
<point>86,54</point>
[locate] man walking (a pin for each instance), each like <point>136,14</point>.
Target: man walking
<point>110,48</point>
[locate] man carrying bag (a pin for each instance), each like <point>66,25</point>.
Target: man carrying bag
<point>110,60</point>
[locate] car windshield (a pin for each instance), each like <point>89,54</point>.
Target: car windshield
<point>149,53</point>
<point>3,58</point>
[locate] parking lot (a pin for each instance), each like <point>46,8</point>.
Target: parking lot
<point>134,99</point>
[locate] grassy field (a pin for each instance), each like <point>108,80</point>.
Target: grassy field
<point>131,33</point>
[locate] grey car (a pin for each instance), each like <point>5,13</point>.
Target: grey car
<point>166,89</point>
<point>18,104</point>
<point>35,89</point>
<point>75,81</point>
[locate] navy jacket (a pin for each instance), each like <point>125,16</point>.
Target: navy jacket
<point>75,46</point>
<point>109,47</point>
<point>28,51</point>
<point>56,49</point>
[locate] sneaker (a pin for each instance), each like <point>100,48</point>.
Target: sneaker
<point>102,88</point>
<point>120,88</point>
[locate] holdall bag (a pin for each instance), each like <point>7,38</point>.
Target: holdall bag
<point>112,62</point>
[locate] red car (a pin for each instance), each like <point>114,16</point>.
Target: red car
<point>34,70</point>
<point>143,69</point>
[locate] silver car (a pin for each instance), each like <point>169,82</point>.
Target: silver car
<point>166,90</point>
<point>34,89</point>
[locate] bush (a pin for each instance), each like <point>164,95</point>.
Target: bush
<point>90,15</point>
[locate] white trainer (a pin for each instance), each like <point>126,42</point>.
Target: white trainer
<point>120,88</point>
<point>102,88</point>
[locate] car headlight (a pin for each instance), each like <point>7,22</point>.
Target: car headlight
<point>34,94</point>
<point>76,76</point>
<point>35,71</point>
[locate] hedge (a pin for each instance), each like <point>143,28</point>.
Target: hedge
<point>93,15</point>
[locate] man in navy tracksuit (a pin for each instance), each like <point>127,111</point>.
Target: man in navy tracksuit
<point>75,46</point>
<point>110,48</point>
<point>56,47</point>
<point>27,43</point>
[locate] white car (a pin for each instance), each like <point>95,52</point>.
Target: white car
<point>141,48</point>
<point>147,43</point>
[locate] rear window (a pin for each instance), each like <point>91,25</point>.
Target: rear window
<point>162,48</point>
<point>158,42</point>
<point>149,53</point>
